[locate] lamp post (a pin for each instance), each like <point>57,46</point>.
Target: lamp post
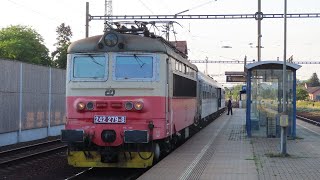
<point>284,116</point>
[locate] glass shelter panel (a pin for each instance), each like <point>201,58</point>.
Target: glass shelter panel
<point>266,101</point>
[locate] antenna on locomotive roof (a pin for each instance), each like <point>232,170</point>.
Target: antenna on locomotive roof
<point>206,65</point>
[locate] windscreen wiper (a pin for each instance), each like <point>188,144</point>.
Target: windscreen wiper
<point>139,61</point>
<point>95,61</point>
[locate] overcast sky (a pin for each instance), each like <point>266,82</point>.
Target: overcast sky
<point>205,37</point>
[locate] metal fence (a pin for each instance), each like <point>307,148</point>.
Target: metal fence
<point>31,96</point>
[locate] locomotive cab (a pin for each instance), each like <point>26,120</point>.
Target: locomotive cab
<point>131,96</point>
<point>115,101</point>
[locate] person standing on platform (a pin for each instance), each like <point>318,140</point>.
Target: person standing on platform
<point>229,106</point>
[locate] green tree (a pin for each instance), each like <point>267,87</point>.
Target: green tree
<point>302,93</point>
<point>234,92</point>
<point>63,41</point>
<point>23,43</point>
<point>314,80</point>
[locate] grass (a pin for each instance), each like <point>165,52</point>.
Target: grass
<point>252,159</point>
<point>272,155</point>
<point>308,106</point>
<point>256,160</point>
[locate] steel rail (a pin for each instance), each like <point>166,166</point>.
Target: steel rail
<point>31,155</point>
<point>28,147</point>
<point>242,62</point>
<point>78,174</point>
<point>308,120</point>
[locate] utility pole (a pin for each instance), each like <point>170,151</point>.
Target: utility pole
<point>107,11</point>
<point>245,63</point>
<point>167,31</point>
<point>87,19</point>
<point>207,66</point>
<point>284,116</point>
<point>259,18</point>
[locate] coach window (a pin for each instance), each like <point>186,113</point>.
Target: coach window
<point>89,68</point>
<point>177,65</point>
<point>183,68</point>
<point>192,72</point>
<point>173,64</point>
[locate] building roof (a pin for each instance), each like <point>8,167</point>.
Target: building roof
<point>181,46</point>
<point>312,90</point>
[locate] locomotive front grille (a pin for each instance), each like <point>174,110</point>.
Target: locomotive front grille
<point>136,136</point>
<point>71,136</point>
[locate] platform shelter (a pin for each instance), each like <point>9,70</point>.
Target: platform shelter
<point>264,98</point>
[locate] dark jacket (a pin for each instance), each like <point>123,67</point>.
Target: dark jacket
<point>229,104</point>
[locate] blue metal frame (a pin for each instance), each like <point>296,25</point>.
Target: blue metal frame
<point>248,120</point>
<point>294,104</point>
<point>252,66</point>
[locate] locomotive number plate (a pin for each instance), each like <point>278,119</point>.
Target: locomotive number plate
<point>109,119</point>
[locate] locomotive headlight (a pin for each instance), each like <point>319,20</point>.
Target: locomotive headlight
<point>80,106</point>
<point>138,105</point>
<point>111,39</point>
<point>128,105</point>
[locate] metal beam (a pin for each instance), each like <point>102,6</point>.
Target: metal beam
<point>225,16</point>
<point>87,19</point>
<point>242,62</point>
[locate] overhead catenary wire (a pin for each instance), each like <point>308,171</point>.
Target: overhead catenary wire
<point>34,11</point>
<point>146,6</point>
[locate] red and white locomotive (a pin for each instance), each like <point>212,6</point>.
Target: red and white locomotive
<point>131,96</point>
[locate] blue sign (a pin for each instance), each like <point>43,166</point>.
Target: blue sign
<point>244,88</point>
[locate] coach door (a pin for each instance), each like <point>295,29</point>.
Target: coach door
<point>169,116</point>
<point>219,97</point>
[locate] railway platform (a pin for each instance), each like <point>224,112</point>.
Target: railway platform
<point>222,150</point>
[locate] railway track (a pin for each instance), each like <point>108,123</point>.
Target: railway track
<point>108,174</point>
<point>13,156</point>
<point>317,123</point>
<point>75,176</point>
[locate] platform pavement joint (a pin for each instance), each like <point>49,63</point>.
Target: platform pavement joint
<point>302,162</point>
<point>232,155</point>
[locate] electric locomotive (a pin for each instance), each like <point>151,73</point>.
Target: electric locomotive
<point>131,96</point>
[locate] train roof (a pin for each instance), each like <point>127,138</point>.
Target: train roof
<point>209,80</point>
<point>128,42</point>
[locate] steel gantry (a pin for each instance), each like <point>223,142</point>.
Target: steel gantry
<point>244,62</point>
<point>255,16</point>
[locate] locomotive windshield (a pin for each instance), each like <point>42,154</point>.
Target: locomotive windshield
<point>89,66</point>
<point>133,67</point>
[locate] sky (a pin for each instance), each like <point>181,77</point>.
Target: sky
<point>205,38</point>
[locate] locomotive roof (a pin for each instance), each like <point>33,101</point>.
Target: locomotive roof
<point>129,43</point>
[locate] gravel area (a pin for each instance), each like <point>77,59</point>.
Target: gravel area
<point>17,145</point>
<point>51,167</point>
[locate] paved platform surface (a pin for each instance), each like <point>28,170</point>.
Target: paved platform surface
<point>221,151</point>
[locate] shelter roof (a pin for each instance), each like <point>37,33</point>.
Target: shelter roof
<point>271,65</point>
